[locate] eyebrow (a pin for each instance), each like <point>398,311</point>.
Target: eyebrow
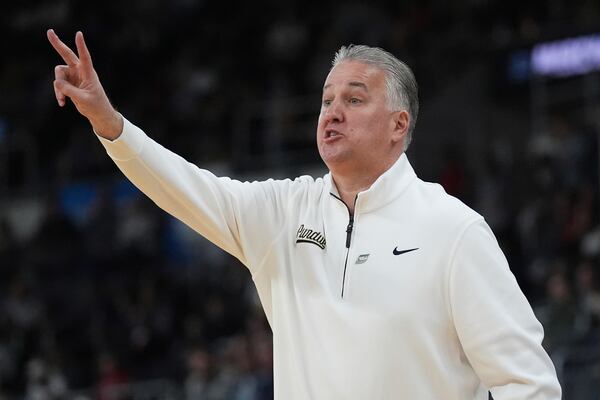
<point>353,84</point>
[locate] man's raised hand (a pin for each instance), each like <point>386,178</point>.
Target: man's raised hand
<point>78,81</point>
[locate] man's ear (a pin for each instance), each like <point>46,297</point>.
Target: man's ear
<point>401,121</point>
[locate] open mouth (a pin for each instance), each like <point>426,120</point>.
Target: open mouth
<point>331,133</point>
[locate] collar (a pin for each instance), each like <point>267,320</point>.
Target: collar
<point>386,188</point>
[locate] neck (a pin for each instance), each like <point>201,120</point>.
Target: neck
<point>348,189</point>
<point>349,185</point>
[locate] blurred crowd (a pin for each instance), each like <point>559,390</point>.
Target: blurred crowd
<point>100,290</point>
<point>112,300</point>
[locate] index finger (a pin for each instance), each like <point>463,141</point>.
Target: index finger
<point>65,52</point>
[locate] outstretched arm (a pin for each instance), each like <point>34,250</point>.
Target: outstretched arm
<point>241,218</point>
<point>78,81</point>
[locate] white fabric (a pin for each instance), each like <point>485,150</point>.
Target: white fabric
<point>445,321</point>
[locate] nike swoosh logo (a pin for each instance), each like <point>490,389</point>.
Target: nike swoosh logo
<point>398,252</point>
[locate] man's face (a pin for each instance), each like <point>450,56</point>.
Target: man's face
<point>356,129</point>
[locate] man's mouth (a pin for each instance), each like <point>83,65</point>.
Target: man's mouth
<point>331,133</point>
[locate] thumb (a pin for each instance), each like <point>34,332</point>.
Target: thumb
<point>67,89</point>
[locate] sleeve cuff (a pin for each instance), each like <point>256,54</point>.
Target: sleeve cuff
<point>128,145</point>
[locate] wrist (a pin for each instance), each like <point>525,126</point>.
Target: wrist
<point>109,127</point>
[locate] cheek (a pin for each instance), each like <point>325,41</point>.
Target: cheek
<point>381,125</point>
<point>320,122</point>
<point>371,135</point>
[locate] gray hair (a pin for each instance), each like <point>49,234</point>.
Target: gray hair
<point>401,85</point>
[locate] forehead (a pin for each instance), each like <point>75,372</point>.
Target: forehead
<point>355,74</point>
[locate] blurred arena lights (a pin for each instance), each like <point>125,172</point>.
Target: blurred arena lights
<point>567,57</point>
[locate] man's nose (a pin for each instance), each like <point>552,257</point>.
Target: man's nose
<point>334,112</point>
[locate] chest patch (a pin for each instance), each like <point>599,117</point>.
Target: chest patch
<point>306,235</point>
<point>362,259</point>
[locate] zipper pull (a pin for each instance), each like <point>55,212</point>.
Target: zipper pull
<point>349,231</point>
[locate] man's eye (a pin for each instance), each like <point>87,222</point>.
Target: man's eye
<point>326,102</point>
<point>354,100</point>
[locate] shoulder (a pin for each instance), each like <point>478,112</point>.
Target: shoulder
<point>307,188</point>
<point>303,183</point>
<point>301,187</point>
<point>441,208</point>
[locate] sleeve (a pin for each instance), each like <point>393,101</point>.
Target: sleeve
<point>495,323</point>
<point>242,218</point>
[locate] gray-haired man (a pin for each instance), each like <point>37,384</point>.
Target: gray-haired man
<point>377,285</point>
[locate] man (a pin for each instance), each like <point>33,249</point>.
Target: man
<point>376,285</point>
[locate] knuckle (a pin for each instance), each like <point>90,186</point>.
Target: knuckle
<point>59,71</point>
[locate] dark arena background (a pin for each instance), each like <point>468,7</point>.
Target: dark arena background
<point>104,296</point>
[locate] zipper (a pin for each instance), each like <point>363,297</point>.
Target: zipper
<point>349,229</point>
<point>348,238</point>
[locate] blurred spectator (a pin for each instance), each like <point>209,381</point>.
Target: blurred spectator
<point>47,249</point>
<point>138,228</point>
<point>111,378</point>
<point>22,307</point>
<point>263,352</point>
<point>44,381</point>
<point>559,314</point>
<point>453,176</point>
<point>101,228</point>
<point>205,380</point>
<point>588,289</point>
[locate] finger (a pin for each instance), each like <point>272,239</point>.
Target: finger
<point>68,90</point>
<point>60,97</point>
<point>60,73</point>
<point>84,54</point>
<point>65,52</point>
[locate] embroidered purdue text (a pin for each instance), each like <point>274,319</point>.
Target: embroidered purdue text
<point>305,235</point>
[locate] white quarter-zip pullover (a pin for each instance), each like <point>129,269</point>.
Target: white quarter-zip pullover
<point>409,298</point>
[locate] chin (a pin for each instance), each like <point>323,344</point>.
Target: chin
<point>334,153</point>
<point>334,162</point>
